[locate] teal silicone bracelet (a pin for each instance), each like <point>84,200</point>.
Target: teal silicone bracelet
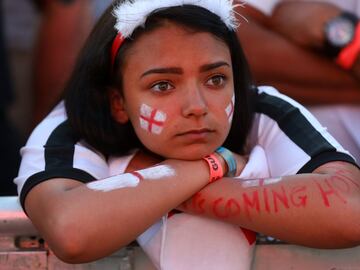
<point>229,159</point>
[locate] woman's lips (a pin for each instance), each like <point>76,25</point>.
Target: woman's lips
<point>196,134</point>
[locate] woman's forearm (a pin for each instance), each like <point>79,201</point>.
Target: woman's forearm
<point>87,222</point>
<point>317,210</point>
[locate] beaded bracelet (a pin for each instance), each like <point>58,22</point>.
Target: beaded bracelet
<point>229,159</point>
<point>216,171</point>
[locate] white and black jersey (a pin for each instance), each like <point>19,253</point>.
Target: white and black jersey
<point>292,139</point>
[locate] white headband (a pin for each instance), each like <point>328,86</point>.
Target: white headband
<point>132,14</point>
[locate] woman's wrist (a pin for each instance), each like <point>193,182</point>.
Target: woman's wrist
<point>229,159</point>
<point>221,163</point>
<point>215,167</point>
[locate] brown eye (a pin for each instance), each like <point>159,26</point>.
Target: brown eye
<point>162,86</point>
<point>216,81</point>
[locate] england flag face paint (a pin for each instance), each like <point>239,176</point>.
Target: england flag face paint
<point>152,120</point>
<point>230,109</point>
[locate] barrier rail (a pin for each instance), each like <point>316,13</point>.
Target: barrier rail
<point>22,248</point>
<point>12,218</point>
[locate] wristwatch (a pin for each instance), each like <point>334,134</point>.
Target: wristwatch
<point>339,32</point>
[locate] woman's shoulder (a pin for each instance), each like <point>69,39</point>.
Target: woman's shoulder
<point>270,102</point>
<point>56,119</point>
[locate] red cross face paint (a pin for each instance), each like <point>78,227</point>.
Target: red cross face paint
<point>230,109</point>
<point>151,119</point>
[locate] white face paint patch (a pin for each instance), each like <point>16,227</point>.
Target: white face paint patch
<point>260,182</point>
<point>152,120</point>
<point>230,109</point>
<point>157,172</point>
<point>115,182</point>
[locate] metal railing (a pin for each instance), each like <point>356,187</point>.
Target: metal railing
<point>21,246</point>
<point>13,220</point>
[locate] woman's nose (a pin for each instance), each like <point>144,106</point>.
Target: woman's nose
<point>194,103</point>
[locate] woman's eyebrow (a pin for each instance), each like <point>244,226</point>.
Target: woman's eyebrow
<point>211,66</point>
<point>176,70</point>
<point>172,70</point>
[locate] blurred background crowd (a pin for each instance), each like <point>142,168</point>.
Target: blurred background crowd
<point>39,41</point>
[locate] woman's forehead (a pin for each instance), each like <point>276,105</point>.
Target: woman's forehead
<point>173,43</point>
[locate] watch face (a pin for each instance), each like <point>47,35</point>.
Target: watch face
<point>340,32</point>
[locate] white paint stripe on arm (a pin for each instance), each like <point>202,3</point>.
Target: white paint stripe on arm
<point>260,182</point>
<point>115,182</point>
<point>131,180</point>
<point>157,172</point>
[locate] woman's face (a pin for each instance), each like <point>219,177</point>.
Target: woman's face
<point>178,91</point>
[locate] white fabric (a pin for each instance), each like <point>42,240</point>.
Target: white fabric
<point>257,166</point>
<point>275,142</point>
<point>225,244</point>
<point>343,122</point>
<point>33,160</point>
<point>190,240</point>
<point>201,242</point>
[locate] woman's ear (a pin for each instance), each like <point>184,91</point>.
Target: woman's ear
<point>118,111</point>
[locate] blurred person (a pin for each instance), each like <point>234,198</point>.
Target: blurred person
<point>64,27</point>
<point>9,137</point>
<point>296,46</point>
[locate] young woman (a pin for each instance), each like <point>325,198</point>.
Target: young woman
<point>158,88</point>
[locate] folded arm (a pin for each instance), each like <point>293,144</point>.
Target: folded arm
<point>87,222</point>
<point>319,209</point>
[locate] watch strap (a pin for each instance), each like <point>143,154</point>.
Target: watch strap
<point>349,54</point>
